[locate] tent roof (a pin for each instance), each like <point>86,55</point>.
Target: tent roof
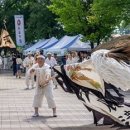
<point>51,45</point>
<point>38,44</point>
<point>63,42</point>
<point>51,42</point>
<point>78,45</point>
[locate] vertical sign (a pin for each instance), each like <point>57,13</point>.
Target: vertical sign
<point>19,30</point>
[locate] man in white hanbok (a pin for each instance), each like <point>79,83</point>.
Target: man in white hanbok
<point>44,85</point>
<point>27,63</point>
<point>51,61</point>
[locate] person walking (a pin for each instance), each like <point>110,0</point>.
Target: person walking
<point>19,63</point>
<point>14,65</point>
<point>27,63</point>
<point>51,61</point>
<point>5,62</point>
<point>44,86</point>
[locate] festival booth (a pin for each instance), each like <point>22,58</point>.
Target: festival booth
<point>57,46</point>
<point>52,41</point>
<point>41,44</point>
<point>36,45</point>
<point>68,43</point>
<point>78,45</point>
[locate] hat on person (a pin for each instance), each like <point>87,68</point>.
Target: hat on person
<point>49,53</point>
<point>37,52</point>
<point>41,56</point>
<point>29,53</point>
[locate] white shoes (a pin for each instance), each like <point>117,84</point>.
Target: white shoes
<point>35,115</point>
<point>32,87</point>
<point>29,88</point>
<point>26,88</point>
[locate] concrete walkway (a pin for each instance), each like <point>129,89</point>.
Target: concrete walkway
<point>16,109</point>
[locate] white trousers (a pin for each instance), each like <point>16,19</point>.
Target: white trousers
<point>54,80</point>
<point>28,79</point>
<point>39,94</point>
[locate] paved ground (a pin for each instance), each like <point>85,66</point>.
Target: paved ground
<point>16,109</point>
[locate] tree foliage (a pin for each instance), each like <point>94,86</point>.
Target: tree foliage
<point>70,14</point>
<point>39,21</point>
<point>95,19</point>
<point>112,11</point>
<point>42,22</point>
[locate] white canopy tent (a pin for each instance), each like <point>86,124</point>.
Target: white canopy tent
<point>78,45</point>
<point>42,43</point>
<point>68,43</point>
<point>56,48</point>
<point>51,42</point>
<point>39,43</point>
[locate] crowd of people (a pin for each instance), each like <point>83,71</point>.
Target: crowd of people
<point>39,73</point>
<point>75,57</point>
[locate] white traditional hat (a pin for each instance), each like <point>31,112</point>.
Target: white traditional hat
<point>41,56</point>
<point>37,51</point>
<point>29,53</point>
<point>48,53</point>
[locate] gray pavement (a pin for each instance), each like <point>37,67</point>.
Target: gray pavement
<point>16,109</point>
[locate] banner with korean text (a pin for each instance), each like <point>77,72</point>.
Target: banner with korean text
<point>19,30</point>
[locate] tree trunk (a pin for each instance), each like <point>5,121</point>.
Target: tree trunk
<point>98,42</point>
<point>92,45</point>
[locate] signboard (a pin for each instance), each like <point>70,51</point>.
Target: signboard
<point>6,40</point>
<point>19,30</point>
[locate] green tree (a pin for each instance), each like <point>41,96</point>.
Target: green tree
<point>76,17</point>
<point>42,23</point>
<point>9,8</point>
<point>112,11</point>
<point>39,21</point>
<point>95,19</point>
<point>72,14</point>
